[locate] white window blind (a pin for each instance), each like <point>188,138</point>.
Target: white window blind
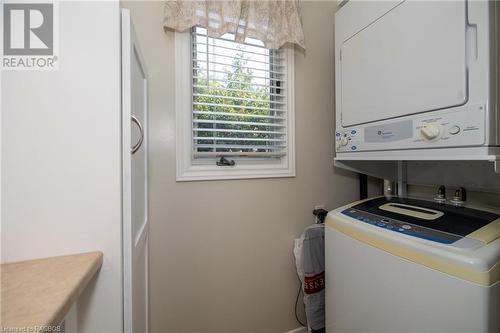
<point>238,98</point>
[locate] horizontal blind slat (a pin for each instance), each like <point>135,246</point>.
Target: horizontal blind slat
<point>210,87</point>
<point>236,43</point>
<point>239,66</point>
<point>212,70</point>
<point>274,54</point>
<point>195,55</point>
<point>222,146</point>
<point>230,114</point>
<point>238,98</point>
<point>221,130</point>
<point>248,153</point>
<point>236,106</point>
<point>233,81</point>
<point>236,139</point>
<point>243,123</point>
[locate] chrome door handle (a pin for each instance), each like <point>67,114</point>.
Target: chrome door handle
<point>138,145</point>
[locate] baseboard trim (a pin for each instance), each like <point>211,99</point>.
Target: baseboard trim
<point>298,330</point>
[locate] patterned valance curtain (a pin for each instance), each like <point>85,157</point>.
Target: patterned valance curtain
<point>274,22</point>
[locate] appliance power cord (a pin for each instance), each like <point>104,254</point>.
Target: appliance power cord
<point>296,303</point>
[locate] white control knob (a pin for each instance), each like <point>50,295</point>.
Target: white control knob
<point>430,132</point>
<point>344,141</point>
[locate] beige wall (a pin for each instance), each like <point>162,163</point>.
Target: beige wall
<point>221,251</point>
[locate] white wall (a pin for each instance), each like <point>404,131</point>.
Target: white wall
<point>221,251</point>
<point>61,161</point>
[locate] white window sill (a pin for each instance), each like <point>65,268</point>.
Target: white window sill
<point>204,172</point>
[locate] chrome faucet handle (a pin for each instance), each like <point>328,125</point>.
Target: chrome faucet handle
<point>440,195</point>
<point>459,198</point>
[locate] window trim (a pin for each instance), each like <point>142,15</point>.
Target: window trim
<point>189,170</point>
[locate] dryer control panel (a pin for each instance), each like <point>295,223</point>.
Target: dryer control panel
<point>464,126</point>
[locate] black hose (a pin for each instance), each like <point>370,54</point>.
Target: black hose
<point>296,303</point>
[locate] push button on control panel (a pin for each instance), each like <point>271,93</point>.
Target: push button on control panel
<point>454,130</point>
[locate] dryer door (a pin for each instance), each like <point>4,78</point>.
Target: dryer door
<point>411,59</point>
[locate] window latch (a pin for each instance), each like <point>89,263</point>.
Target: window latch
<point>225,162</point>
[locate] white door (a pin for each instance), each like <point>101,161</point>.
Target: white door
<point>409,60</point>
<point>135,189</point>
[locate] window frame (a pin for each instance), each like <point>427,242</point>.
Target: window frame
<point>190,169</point>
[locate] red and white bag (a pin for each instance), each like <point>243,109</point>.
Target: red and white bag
<point>309,254</point>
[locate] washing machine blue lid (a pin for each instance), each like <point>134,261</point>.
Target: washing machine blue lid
<point>424,219</point>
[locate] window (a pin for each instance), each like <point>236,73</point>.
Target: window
<point>233,100</point>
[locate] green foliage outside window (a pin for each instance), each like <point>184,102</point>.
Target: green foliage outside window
<point>235,93</point>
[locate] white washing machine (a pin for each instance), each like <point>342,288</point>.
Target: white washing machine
<point>397,265</point>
